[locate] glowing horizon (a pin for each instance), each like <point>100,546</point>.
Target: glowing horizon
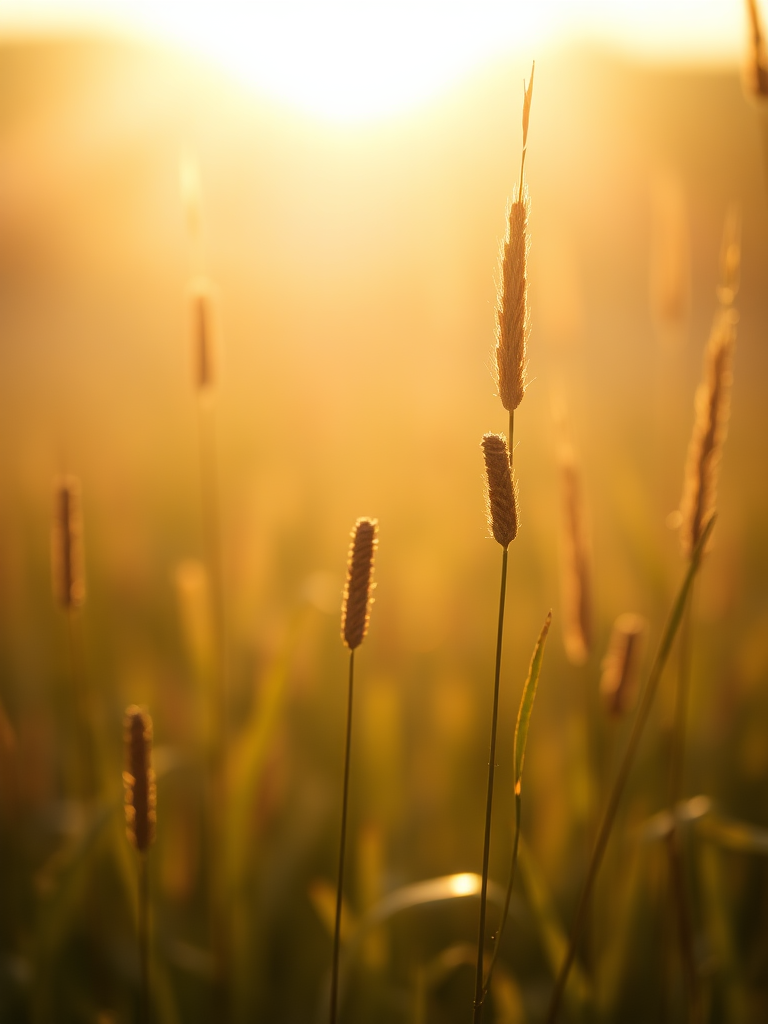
<point>351,61</point>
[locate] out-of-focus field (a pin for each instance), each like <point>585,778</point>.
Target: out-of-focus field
<point>357,269</point>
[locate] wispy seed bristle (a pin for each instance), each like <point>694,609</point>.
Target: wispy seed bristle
<point>356,605</point>
<point>139,779</point>
<point>67,569</point>
<point>618,683</point>
<point>713,399</point>
<point>501,498</point>
<point>577,596</point>
<point>512,316</point>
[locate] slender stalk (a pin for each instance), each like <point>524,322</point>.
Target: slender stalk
<point>342,847</point>
<point>478,1003</point>
<point>144,1001</point>
<point>681,900</point>
<point>209,497</point>
<point>511,439</point>
<point>508,897</point>
<point>625,767</point>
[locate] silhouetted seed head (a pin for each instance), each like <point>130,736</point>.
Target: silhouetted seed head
<point>67,570</point>
<point>730,257</point>
<point>618,683</point>
<point>203,327</point>
<point>356,606</point>
<point>756,72</point>
<point>139,779</point>
<point>577,596</point>
<point>501,502</point>
<point>713,400</point>
<point>513,321</point>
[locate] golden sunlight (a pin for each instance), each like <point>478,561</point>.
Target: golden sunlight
<point>351,61</point>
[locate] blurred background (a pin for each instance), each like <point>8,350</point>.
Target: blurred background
<point>347,169</point>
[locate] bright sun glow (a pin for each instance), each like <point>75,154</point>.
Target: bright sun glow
<point>351,60</point>
<point>465,885</point>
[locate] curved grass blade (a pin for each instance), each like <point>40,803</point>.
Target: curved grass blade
<point>521,739</point>
<point>643,711</point>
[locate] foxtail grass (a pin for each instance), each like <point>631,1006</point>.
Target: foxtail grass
<point>69,591</point>
<point>512,314</point>
<point>625,767</point>
<point>618,682</point>
<point>697,506</point>
<point>140,818</point>
<point>502,522</point>
<point>355,616</point>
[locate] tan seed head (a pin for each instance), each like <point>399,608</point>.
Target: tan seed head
<point>756,71</point>
<point>67,569</point>
<point>139,779</point>
<point>618,683</point>
<point>713,402</point>
<point>356,605</point>
<point>501,501</point>
<point>512,317</point>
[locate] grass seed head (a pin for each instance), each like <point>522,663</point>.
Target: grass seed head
<point>618,683</point>
<point>512,316</point>
<point>202,313</point>
<point>67,568</point>
<point>713,401</point>
<point>501,498</point>
<point>139,779</point>
<point>756,71</point>
<point>356,605</point>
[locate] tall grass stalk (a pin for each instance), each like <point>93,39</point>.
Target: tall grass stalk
<point>355,614</point>
<point>502,519</point>
<point>609,816</point>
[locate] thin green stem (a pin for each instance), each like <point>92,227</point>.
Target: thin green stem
<point>625,767</point>
<point>143,929</point>
<point>508,897</point>
<point>511,438</point>
<point>342,847</point>
<point>478,1003</point>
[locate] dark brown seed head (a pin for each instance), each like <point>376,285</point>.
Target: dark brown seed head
<point>713,399</point>
<point>139,779</point>
<point>618,683</point>
<point>356,606</point>
<point>67,570</point>
<point>501,504</point>
<point>513,321</point>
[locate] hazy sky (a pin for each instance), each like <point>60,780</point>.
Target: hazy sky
<point>351,59</point>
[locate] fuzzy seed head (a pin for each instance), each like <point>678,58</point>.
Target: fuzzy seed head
<point>67,568</point>
<point>512,317</point>
<point>618,683</point>
<point>577,590</point>
<point>756,71</point>
<point>139,779</point>
<point>202,314</point>
<point>713,400</point>
<point>501,500</point>
<point>356,605</point>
